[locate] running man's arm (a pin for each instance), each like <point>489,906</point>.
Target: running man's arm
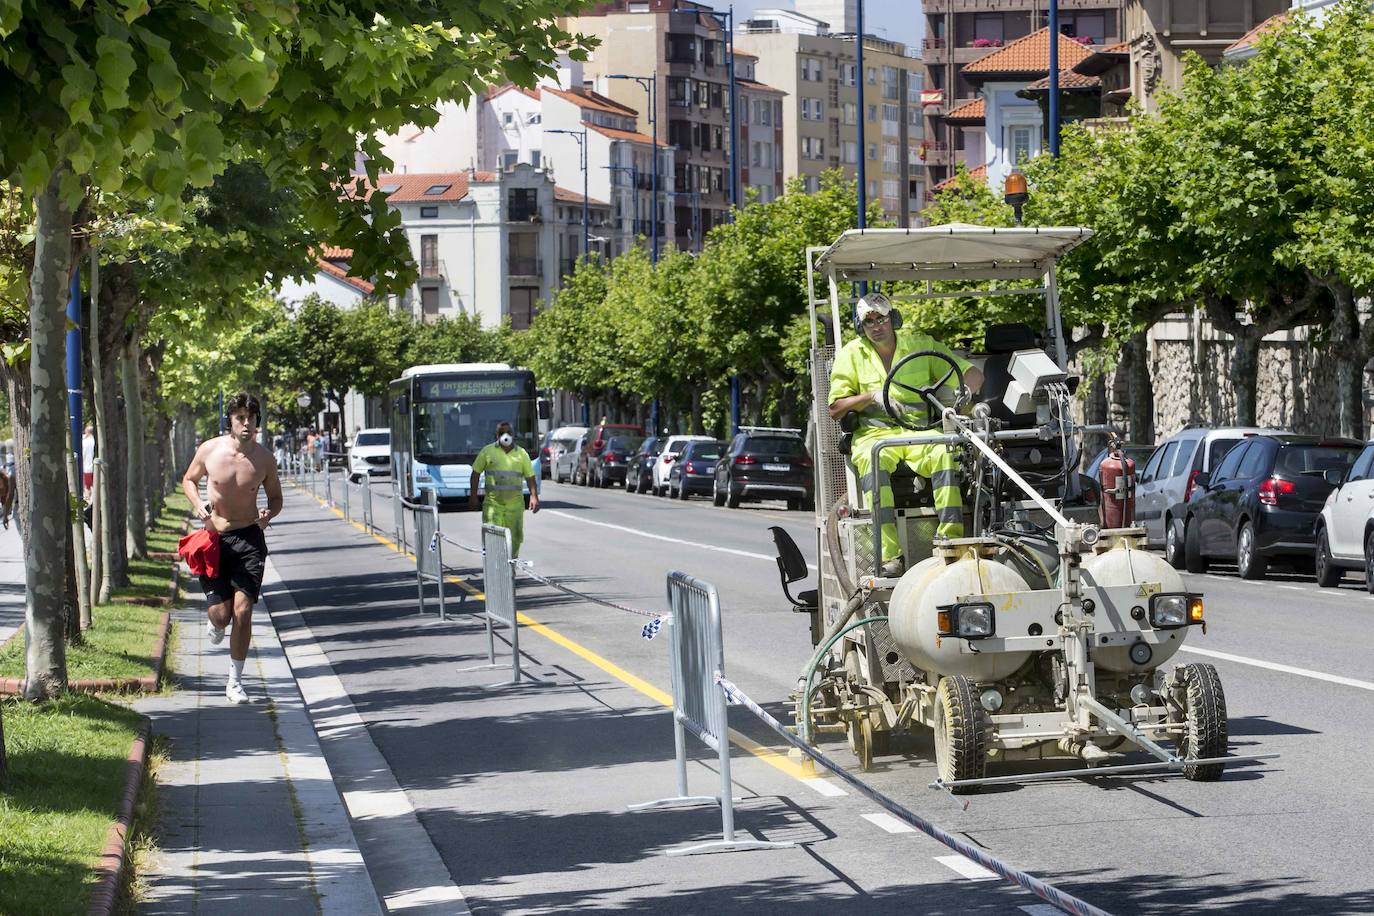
<point>190,484</point>
<point>272,485</point>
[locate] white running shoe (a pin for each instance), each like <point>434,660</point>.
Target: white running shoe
<point>235,693</point>
<point>215,633</point>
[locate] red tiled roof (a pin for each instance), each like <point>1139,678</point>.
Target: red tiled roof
<point>969,111</point>
<point>1029,54</point>
<point>585,98</point>
<point>1068,79</point>
<point>339,273</point>
<point>1264,28</point>
<point>756,85</point>
<point>335,253</point>
<point>410,187</point>
<point>494,91</point>
<point>563,195</point>
<point>617,134</point>
<point>978,173</point>
<point>1121,47</point>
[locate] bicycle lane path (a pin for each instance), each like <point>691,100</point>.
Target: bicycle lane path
<point>522,791</point>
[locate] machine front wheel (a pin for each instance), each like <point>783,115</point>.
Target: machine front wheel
<point>961,744</point>
<point>1204,728</point>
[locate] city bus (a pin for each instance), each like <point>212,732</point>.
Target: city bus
<point>442,416</point>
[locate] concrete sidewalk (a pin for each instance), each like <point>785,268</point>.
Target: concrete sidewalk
<point>249,817</point>
<point>12,582</point>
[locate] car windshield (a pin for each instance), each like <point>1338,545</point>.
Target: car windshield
<point>776,445</point>
<point>624,443</point>
<point>372,439</point>
<point>1315,459</point>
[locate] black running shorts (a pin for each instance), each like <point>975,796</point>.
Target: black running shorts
<point>242,556</point>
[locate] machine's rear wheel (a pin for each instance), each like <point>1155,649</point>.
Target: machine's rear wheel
<point>961,744</point>
<point>863,741</point>
<point>1204,728</point>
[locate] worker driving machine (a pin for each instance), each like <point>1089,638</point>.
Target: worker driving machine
<point>1046,629</point>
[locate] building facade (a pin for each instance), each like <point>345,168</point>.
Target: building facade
<point>818,73</point>
<point>959,32</point>
<point>761,136</point>
<point>682,45</point>
<point>1162,31</point>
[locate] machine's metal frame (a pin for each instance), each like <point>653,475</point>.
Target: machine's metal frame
<point>1073,615</point>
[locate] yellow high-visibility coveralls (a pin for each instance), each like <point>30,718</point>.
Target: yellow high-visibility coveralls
<point>504,504</point>
<point>859,368</point>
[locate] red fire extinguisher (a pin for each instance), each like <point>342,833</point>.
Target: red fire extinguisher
<point>1116,509</point>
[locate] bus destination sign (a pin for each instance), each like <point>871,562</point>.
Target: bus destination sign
<point>457,389</point>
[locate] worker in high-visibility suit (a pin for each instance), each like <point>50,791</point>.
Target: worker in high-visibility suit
<point>507,466</point>
<point>856,384</point>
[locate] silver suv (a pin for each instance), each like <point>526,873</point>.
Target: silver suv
<point>1165,483</point>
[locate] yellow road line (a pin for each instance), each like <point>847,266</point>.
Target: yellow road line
<point>766,754</point>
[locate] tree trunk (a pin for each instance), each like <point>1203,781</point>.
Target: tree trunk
<point>71,603</point>
<point>115,556</point>
<point>136,519</point>
<point>78,584</point>
<point>1095,413</point>
<point>1349,350</point>
<point>46,660</point>
<point>698,424</point>
<point>1142,401</point>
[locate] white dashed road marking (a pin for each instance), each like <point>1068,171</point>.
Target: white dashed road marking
<point>660,537</point>
<point>824,787</point>
<point>1286,669</point>
<point>889,823</point>
<point>970,870</point>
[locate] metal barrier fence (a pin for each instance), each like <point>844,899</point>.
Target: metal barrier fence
<point>698,658</point>
<point>1045,891</point>
<point>498,575</point>
<point>429,557</point>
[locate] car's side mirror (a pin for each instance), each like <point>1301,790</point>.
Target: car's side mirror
<point>1203,481</point>
<point>1334,476</point>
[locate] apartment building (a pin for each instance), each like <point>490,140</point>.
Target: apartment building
<point>1162,31</point>
<point>760,131</point>
<point>818,72</point>
<point>682,43</point>
<point>959,32</point>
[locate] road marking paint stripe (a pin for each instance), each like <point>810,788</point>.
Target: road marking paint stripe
<point>423,896</point>
<point>889,823</point>
<point>1286,669</point>
<point>766,754</point>
<point>661,537</point>
<point>970,870</point>
<point>823,787</point>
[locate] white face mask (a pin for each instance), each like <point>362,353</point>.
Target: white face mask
<point>506,439</point>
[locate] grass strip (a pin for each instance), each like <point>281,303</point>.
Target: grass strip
<point>122,641</point>
<point>66,775</point>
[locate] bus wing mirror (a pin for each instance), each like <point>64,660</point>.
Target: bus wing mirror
<point>543,409</point>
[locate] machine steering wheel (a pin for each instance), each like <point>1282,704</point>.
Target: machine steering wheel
<point>904,418</point>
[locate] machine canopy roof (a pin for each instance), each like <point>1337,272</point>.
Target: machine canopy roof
<point>949,252</point>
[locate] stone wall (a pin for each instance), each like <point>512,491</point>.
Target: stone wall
<point>1296,385</point>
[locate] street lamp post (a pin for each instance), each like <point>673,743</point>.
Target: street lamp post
<point>649,85</point>
<point>634,184</point>
<point>863,152</point>
<point>1054,78</point>
<point>581,137</point>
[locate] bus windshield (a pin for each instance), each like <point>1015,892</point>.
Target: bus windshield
<point>453,432</point>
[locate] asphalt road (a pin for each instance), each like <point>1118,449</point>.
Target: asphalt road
<point>1285,836</point>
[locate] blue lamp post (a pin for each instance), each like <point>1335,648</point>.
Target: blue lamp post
<point>581,137</point>
<point>650,85</point>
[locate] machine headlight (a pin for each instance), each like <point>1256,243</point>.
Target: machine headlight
<point>967,620</point>
<point>1170,610</point>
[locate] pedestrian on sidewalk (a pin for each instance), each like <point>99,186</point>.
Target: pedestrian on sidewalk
<point>236,465</point>
<point>505,466</point>
<point>87,460</point>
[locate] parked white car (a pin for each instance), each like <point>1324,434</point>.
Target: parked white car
<point>557,441</point>
<point>369,453</point>
<point>1345,529</point>
<point>664,462</point>
<point>564,453</point>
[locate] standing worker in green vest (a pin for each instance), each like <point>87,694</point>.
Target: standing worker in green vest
<point>506,467</point>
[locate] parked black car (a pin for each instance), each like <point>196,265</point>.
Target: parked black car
<point>694,469</point>
<point>639,475</point>
<point>765,464</point>
<point>607,466</point>
<point>1263,501</point>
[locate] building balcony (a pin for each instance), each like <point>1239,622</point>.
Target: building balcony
<point>520,266</point>
<point>433,274</point>
<point>936,7</point>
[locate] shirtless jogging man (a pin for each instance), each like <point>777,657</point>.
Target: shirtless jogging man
<point>236,466</point>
